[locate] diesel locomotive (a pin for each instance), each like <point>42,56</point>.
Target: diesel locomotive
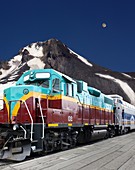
<point>47,111</point>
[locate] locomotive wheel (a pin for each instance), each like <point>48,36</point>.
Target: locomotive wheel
<point>65,145</point>
<point>111,133</point>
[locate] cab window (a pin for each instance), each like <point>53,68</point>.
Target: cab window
<point>56,85</point>
<point>44,84</point>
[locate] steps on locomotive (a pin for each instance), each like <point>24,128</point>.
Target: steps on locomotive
<point>37,141</point>
<point>36,150</point>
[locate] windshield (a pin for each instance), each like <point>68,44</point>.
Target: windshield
<point>42,83</point>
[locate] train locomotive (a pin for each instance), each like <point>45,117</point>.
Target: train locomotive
<point>47,111</point>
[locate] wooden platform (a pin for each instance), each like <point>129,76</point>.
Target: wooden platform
<point>112,154</point>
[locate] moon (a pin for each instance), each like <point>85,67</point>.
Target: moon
<point>104,25</point>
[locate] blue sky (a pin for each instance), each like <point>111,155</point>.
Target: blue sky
<point>77,23</point>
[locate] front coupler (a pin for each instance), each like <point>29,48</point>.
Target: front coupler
<point>13,145</point>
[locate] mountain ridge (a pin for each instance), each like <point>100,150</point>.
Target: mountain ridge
<point>54,54</point>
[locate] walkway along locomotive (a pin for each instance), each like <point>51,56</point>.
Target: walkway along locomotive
<point>47,110</point>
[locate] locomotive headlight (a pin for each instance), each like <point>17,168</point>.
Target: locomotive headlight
<point>25,91</point>
<point>15,127</point>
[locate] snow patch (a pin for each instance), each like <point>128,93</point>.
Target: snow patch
<point>2,87</point>
<point>127,75</point>
<point>13,63</point>
<point>105,76</point>
<point>36,63</point>
<point>9,71</point>
<point>34,50</point>
<point>81,58</point>
<point>127,89</point>
<point>14,76</point>
<point>17,58</point>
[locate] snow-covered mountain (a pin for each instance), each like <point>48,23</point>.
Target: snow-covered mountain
<point>54,54</point>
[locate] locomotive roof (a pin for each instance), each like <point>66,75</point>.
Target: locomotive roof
<point>51,71</point>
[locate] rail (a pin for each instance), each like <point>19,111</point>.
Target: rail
<point>25,133</point>
<point>30,118</point>
<point>43,122</point>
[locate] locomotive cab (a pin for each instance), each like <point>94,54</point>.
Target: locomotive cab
<point>27,106</point>
<point>25,96</point>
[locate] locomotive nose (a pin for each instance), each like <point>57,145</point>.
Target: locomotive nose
<point>14,97</point>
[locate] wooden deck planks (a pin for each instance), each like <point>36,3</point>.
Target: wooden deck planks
<point>112,154</point>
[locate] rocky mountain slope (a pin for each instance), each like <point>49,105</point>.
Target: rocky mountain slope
<point>54,54</point>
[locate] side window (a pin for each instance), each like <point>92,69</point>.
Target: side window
<point>56,85</point>
<point>122,113</point>
<point>69,90</point>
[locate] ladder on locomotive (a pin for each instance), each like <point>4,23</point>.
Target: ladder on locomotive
<point>38,130</point>
<point>43,112</point>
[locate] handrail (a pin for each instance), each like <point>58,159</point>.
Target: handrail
<point>41,117</point>
<point>43,135</point>
<point>79,99</point>
<point>30,118</point>
<point>24,131</point>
